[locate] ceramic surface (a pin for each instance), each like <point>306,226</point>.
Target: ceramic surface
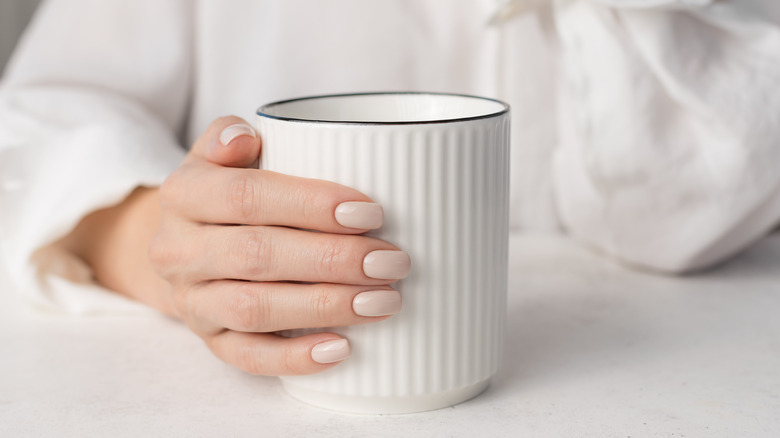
<point>438,164</point>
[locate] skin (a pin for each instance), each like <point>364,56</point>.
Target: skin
<point>226,249</point>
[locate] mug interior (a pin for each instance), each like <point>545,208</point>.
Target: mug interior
<point>385,108</point>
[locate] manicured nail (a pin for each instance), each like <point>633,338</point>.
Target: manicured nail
<point>386,265</point>
<point>363,215</point>
<point>331,351</point>
<point>377,303</point>
<point>231,132</point>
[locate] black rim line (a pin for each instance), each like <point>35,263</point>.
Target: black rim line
<point>504,110</point>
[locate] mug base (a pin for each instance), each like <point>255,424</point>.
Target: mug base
<point>385,405</point>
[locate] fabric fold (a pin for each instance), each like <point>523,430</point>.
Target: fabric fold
<point>669,155</point>
<point>85,151</point>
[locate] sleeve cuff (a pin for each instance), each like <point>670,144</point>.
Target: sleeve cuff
<point>63,154</point>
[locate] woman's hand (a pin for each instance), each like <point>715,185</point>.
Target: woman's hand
<point>234,246</point>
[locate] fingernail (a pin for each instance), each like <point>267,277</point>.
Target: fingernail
<point>386,265</point>
<point>331,351</point>
<point>231,132</point>
<point>377,303</point>
<point>363,215</point>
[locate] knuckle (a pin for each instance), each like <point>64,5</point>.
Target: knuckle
<point>250,360</point>
<point>243,197</point>
<point>249,310</point>
<point>258,362</point>
<point>323,305</point>
<point>332,258</point>
<point>251,251</point>
<point>161,254</point>
<point>307,200</point>
<point>290,362</point>
<point>171,189</point>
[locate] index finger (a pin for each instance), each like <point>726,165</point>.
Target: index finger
<point>208,193</point>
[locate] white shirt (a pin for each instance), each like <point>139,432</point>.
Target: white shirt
<point>647,129</point>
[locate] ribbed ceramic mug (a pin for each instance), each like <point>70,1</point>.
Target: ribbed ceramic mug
<point>438,164</point>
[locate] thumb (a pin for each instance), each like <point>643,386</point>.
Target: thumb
<point>229,141</point>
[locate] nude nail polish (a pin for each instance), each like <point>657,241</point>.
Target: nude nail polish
<point>363,215</point>
<point>386,264</point>
<point>377,303</point>
<point>236,130</point>
<point>331,351</point>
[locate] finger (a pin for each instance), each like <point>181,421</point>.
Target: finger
<point>273,355</point>
<point>267,307</point>
<point>284,254</point>
<point>229,141</point>
<point>211,194</point>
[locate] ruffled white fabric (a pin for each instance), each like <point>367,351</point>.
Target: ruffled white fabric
<point>656,143</point>
<point>670,140</point>
<point>79,132</point>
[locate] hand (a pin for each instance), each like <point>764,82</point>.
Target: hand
<point>238,264</point>
<point>234,246</point>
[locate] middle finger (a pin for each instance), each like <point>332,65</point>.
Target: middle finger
<point>267,253</point>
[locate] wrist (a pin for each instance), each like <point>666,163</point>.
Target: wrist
<point>114,243</point>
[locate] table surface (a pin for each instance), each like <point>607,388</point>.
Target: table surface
<point>593,349</point>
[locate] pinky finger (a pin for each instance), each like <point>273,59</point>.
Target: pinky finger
<point>273,355</point>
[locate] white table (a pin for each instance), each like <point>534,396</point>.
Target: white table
<point>593,349</point>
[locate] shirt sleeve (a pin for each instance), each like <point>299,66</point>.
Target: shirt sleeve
<point>90,108</point>
<point>669,131</point>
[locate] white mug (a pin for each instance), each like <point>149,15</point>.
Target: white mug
<point>439,166</point>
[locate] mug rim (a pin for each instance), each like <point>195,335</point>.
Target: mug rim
<point>261,110</point>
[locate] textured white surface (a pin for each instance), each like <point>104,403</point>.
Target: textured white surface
<point>444,189</point>
<point>593,350</point>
